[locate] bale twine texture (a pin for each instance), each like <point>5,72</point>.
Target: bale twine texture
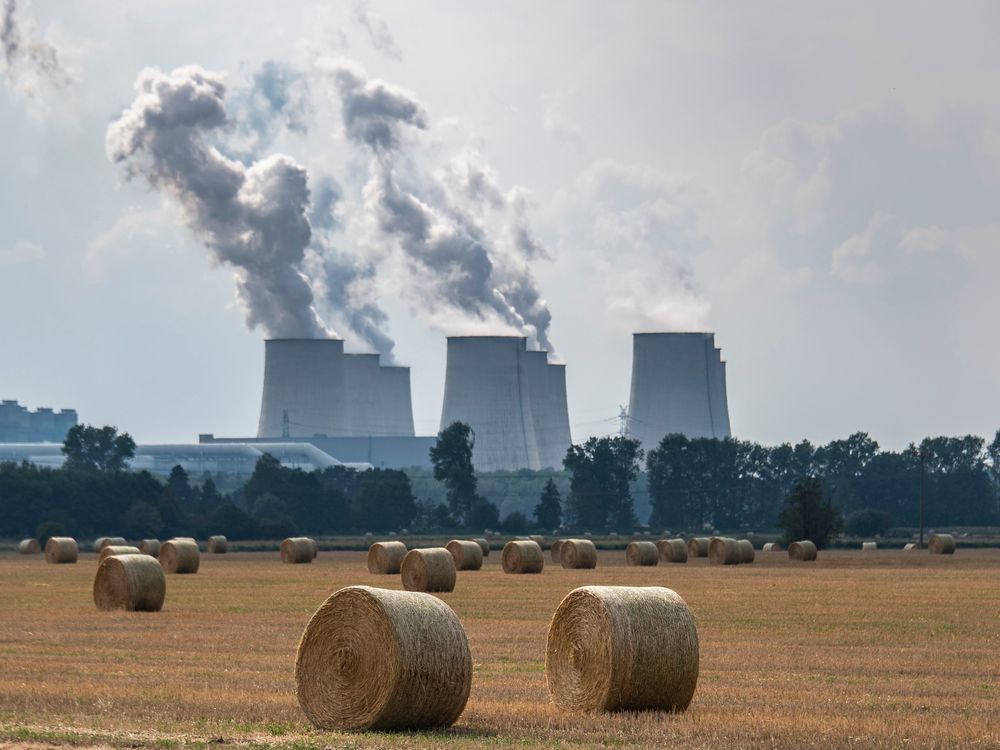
<point>672,550</point>
<point>622,648</point>
<point>771,547</point>
<point>746,550</point>
<point>642,553</point>
<point>133,582</point>
<point>804,550</point>
<point>29,547</point>
<point>61,549</point>
<point>869,546</point>
<point>522,557</point>
<point>218,545</point>
<point>296,550</point>
<point>467,554</point>
<point>385,558</point>
<point>941,544</point>
<point>430,569</point>
<point>578,554</point>
<point>556,545</point>
<point>376,659</point>
<point>180,556</point>
<point>103,541</point>
<point>117,549</point>
<point>150,547</point>
<point>698,546</point>
<point>483,544</point>
<point>723,551</point>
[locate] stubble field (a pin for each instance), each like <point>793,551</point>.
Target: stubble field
<point>878,649</point>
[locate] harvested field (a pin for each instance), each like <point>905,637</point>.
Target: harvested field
<point>882,649</point>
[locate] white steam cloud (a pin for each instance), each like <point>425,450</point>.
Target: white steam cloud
<point>27,57</point>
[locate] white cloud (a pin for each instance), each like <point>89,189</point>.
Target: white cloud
<point>20,253</point>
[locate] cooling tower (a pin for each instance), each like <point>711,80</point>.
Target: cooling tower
<point>560,438</point>
<point>361,379</point>
<point>487,386</point>
<point>304,388</point>
<point>394,407</point>
<point>678,386</point>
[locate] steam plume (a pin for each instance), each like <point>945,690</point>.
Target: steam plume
<point>23,50</point>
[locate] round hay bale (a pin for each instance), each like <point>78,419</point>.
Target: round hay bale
<point>385,558</point>
<point>430,569</point>
<point>376,659</point>
<point>771,547</point>
<point>150,547</point>
<point>804,550</point>
<point>909,547</point>
<point>133,582</point>
<point>578,554</point>
<point>29,547</point>
<point>117,549</point>
<point>622,648</point>
<point>522,557</point>
<point>61,549</point>
<point>484,545</point>
<point>538,539</point>
<point>941,544</point>
<point>468,555</point>
<point>698,546</point>
<point>869,546</point>
<point>180,556</point>
<point>218,545</point>
<point>642,553</point>
<point>746,550</point>
<point>723,551</point>
<point>103,541</point>
<point>672,550</point>
<point>315,547</point>
<point>296,550</point>
<point>555,550</point>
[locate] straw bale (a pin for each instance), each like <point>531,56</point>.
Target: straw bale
<point>150,547</point>
<point>622,648</point>
<point>672,550</point>
<point>29,547</point>
<point>771,547</point>
<point>484,544</point>
<point>61,549</point>
<point>698,546</point>
<point>578,554</point>
<point>538,539</point>
<point>117,549</point>
<point>297,550</point>
<point>555,550</point>
<point>468,555</point>
<point>642,553</point>
<point>429,569</point>
<point>803,550</point>
<point>724,551</point>
<point>218,545</point>
<point>941,544</point>
<point>376,659</point>
<point>180,556</point>
<point>133,582</point>
<point>746,551</point>
<point>522,557</point>
<point>385,558</point>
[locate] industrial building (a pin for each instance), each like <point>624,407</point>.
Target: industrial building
<point>678,386</point>
<point>512,398</point>
<point>43,425</point>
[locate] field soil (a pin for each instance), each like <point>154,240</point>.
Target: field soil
<point>882,649</point>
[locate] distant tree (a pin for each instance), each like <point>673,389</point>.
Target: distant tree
<point>868,522</point>
<point>549,508</point>
<point>171,514</point>
<point>383,501</point>
<point>99,449</point>
<point>993,451</point>
<point>483,514</point>
<point>180,483</point>
<point>211,498</point>
<point>809,514</point>
<point>142,520</point>
<point>451,456</point>
<point>267,507</point>
<point>232,522</point>
<point>600,494</point>
<point>48,529</point>
<point>514,523</point>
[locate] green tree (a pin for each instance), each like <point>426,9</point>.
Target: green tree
<point>142,520</point>
<point>602,470</point>
<point>809,514</point>
<point>483,514</point>
<point>451,456</point>
<point>549,508</point>
<point>97,449</point>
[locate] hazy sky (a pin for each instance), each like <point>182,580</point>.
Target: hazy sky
<point>818,183</point>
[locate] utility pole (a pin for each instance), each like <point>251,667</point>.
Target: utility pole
<point>622,421</point>
<point>923,457</point>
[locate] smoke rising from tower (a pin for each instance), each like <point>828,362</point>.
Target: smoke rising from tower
<point>24,51</point>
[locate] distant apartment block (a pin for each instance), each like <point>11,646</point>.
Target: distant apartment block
<point>43,425</point>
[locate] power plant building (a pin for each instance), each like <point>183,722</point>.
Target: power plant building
<point>678,386</point>
<point>43,425</point>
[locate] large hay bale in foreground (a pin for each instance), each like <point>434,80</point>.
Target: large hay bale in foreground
<point>698,546</point>
<point>376,659</point>
<point>522,557</point>
<point>941,544</point>
<point>622,648</point>
<point>804,551</point>
<point>180,556</point>
<point>771,547</point>
<point>430,569</point>
<point>578,554</point>
<point>117,549</point>
<point>723,551</point>
<point>133,582</point>
<point>385,558</point>
<point>61,549</point>
<point>869,546</point>
<point>483,544</point>
<point>672,550</point>
<point>29,547</point>
<point>746,551</point>
<point>150,547</point>
<point>103,541</point>
<point>218,545</point>
<point>468,555</point>
<point>296,550</point>
<point>642,553</point>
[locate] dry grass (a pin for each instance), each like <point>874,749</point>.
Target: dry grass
<point>884,649</point>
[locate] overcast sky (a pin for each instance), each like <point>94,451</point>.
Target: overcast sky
<point>818,183</point>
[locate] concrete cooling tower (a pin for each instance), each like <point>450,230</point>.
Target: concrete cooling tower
<point>502,391</point>
<point>678,386</point>
<point>312,388</point>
